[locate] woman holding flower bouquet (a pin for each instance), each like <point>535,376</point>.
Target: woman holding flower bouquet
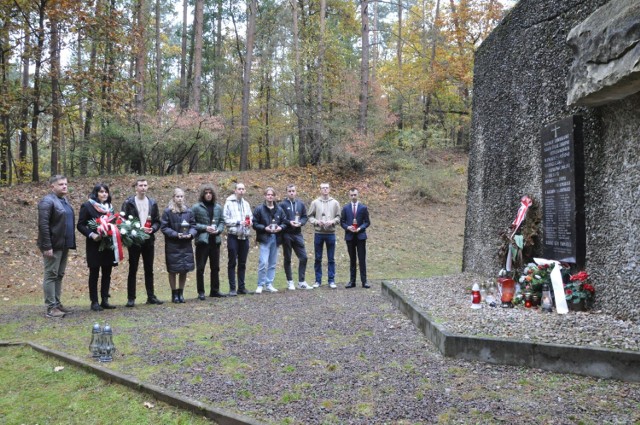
<point>96,221</point>
<point>179,228</point>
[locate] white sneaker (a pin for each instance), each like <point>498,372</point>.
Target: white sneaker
<point>316,285</point>
<point>290,286</point>
<point>303,285</point>
<point>259,290</point>
<point>332,285</point>
<point>270,288</point>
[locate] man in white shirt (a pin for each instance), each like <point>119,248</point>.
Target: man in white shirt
<point>238,219</point>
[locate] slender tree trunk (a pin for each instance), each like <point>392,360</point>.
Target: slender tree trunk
<point>434,44</point>
<point>319,112</point>
<point>56,112</point>
<point>252,10</point>
<point>374,65</point>
<point>184,96</point>
<point>197,55</point>
<point>5,135</point>
<point>399,59</point>
<point>88,120</point>
<point>217,68</point>
<point>158,58</point>
<point>140,55</point>
<point>35,154</point>
<point>297,87</point>
<point>24,111</point>
<point>364,69</point>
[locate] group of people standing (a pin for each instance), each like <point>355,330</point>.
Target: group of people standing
<point>274,223</point>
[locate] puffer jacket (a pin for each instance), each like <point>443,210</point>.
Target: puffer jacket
<point>201,215</point>
<point>51,224</point>
<point>178,252</point>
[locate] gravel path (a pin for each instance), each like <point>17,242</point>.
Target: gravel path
<point>340,357</point>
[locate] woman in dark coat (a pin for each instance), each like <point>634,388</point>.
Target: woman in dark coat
<point>99,204</point>
<point>179,228</point>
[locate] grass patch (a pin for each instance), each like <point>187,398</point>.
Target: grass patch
<point>32,387</point>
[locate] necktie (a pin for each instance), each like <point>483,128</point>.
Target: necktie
<point>354,210</point>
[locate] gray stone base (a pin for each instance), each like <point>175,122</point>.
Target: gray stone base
<point>587,361</point>
<point>220,416</point>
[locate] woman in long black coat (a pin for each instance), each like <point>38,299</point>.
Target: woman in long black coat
<point>99,204</point>
<point>178,225</point>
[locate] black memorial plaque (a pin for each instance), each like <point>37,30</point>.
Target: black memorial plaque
<point>563,191</point>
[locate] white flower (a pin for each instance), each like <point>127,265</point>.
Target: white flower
<point>136,224</point>
<point>133,233</point>
<point>123,231</point>
<point>127,222</point>
<point>122,213</point>
<point>537,276</point>
<point>130,217</point>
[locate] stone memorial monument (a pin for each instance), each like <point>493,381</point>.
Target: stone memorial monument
<point>549,60</point>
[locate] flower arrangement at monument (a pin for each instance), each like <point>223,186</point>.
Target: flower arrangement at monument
<point>536,275</point>
<point>579,293</point>
<point>117,230</point>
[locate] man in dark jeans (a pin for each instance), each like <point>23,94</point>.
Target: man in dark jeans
<point>210,225</point>
<point>145,209</point>
<point>238,218</point>
<point>292,239</point>
<point>56,236</point>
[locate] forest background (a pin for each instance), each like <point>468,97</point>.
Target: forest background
<point>162,87</point>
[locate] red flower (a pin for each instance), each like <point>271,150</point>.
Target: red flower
<point>118,221</point>
<point>582,276</point>
<point>110,233</point>
<point>588,287</point>
<point>568,291</point>
<point>98,221</point>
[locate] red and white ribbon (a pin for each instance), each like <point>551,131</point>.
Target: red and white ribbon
<point>525,203</point>
<point>104,227</point>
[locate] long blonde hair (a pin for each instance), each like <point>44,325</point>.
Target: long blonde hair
<point>173,206</point>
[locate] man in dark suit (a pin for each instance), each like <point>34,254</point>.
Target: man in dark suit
<point>354,219</point>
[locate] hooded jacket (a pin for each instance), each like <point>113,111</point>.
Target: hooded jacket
<point>330,209</point>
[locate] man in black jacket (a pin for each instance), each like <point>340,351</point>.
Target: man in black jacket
<point>146,210</point>
<point>295,217</point>
<point>268,222</point>
<point>56,236</point>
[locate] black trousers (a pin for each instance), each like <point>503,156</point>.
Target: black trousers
<point>294,242</point>
<point>208,252</point>
<point>357,249</point>
<point>147,251</point>
<point>238,251</point>
<point>105,282</point>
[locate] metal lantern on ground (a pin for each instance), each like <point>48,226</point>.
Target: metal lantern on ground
<point>96,337</point>
<point>547,301</point>
<point>107,348</point>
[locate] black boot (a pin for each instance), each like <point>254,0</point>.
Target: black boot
<point>181,295</point>
<point>174,296</point>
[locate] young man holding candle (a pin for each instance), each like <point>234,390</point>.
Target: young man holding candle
<point>238,219</point>
<point>292,239</point>
<point>324,214</point>
<point>354,219</point>
<point>147,211</point>
<point>268,222</point>
<point>209,224</point>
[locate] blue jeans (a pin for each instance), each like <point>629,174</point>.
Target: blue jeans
<point>267,261</point>
<point>330,240</point>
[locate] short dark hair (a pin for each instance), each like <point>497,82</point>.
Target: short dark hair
<point>56,178</point>
<point>94,193</point>
<point>138,180</point>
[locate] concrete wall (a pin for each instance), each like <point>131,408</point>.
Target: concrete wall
<point>520,87</point>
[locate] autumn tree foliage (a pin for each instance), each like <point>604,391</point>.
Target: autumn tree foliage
<point>159,86</point>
